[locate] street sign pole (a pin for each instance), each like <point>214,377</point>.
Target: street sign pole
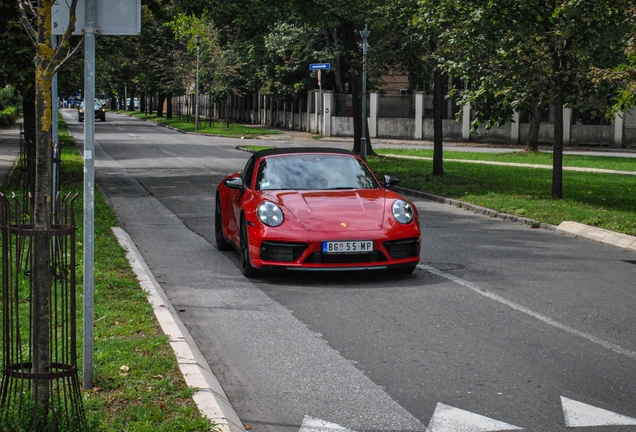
<point>320,117</point>
<point>55,134</point>
<point>320,67</point>
<point>89,192</point>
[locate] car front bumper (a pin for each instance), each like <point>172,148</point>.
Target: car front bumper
<point>303,250</point>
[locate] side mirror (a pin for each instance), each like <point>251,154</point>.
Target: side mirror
<point>390,181</point>
<point>234,183</point>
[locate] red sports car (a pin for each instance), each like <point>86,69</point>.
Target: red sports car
<point>315,209</point>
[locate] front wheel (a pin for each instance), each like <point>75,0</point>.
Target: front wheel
<point>405,269</point>
<point>246,265</point>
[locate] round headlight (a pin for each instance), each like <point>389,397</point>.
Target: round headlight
<point>270,214</point>
<point>402,211</point>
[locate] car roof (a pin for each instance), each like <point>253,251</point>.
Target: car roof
<point>295,150</point>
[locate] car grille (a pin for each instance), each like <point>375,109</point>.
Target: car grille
<point>400,249</point>
<point>283,252</point>
<point>320,258</point>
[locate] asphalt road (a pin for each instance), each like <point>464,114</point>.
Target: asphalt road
<point>502,327</point>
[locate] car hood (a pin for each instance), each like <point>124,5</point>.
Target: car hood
<point>353,210</point>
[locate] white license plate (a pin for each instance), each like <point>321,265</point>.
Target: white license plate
<point>360,246</point>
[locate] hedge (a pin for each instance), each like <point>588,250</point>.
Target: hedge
<point>8,116</point>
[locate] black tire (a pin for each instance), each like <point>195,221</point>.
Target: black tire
<point>221,243</point>
<point>405,270</point>
<point>246,265</point>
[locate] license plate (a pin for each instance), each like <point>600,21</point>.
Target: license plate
<point>360,246</point>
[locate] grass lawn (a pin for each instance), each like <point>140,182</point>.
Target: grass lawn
<point>602,200</point>
<point>138,385</point>
<point>536,158</point>
<point>217,128</point>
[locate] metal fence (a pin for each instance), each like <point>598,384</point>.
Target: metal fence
<point>40,388</point>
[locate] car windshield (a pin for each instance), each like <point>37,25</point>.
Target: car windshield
<point>96,103</point>
<point>313,172</point>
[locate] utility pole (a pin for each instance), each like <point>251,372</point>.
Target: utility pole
<point>363,140</point>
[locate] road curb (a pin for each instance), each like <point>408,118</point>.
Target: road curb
<point>598,234</point>
<point>209,397</point>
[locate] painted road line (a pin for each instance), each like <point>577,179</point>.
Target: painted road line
<point>209,397</point>
<point>578,414</point>
<point>519,308</point>
<point>311,424</point>
<point>450,419</point>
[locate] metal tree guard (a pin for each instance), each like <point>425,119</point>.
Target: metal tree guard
<point>39,398</point>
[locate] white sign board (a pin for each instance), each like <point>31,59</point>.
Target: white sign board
<point>114,17</point>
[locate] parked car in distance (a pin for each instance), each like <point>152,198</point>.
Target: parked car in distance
<point>100,111</point>
<point>315,209</point>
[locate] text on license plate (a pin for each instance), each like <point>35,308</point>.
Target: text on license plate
<point>360,246</point>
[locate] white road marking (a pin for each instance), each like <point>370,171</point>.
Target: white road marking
<point>311,424</point>
<point>450,419</point>
<point>476,288</point>
<point>578,414</point>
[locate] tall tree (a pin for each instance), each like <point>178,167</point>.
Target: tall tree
<point>517,54</point>
<point>36,19</point>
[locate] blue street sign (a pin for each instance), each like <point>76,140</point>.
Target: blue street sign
<point>319,66</point>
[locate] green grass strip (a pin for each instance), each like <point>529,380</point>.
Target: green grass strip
<point>532,158</point>
<point>138,384</point>
<point>217,128</point>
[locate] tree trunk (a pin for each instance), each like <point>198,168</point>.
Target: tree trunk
<point>331,36</point>
<point>169,106</point>
<point>142,104</point>
<point>162,100</point>
<point>532,143</point>
<point>41,265</point>
<point>131,96</point>
<point>228,109</point>
<point>438,126</point>
<point>557,161</point>
<point>351,46</point>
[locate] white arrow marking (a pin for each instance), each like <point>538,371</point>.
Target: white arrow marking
<point>450,419</point>
<point>578,414</point>
<point>311,424</point>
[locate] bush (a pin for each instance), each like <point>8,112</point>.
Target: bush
<point>8,98</point>
<point>8,115</point>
